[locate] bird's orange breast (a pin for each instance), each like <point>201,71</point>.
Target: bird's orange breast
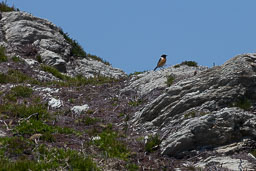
<point>161,62</point>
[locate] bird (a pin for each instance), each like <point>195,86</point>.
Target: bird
<point>161,61</point>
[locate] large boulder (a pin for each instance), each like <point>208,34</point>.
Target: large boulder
<point>205,110</point>
<point>23,31</point>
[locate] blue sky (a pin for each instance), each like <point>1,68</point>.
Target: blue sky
<point>133,34</point>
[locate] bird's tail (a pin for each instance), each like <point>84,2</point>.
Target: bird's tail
<point>155,68</point>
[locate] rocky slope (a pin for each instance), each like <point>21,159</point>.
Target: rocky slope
<point>61,109</point>
<point>205,113</point>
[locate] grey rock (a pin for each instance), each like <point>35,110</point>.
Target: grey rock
<point>79,109</point>
<point>23,28</point>
<point>90,68</point>
<point>55,103</point>
<point>195,112</point>
<point>2,133</point>
<point>53,59</point>
<point>227,163</point>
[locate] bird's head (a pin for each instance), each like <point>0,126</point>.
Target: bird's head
<point>164,56</point>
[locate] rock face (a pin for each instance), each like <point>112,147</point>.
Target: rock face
<point>90,68</point>
<point>145,82</point>
<point>25,35</point>
<point>204,111</point>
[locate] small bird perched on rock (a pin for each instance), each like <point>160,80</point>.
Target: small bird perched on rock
<point>161,61</point>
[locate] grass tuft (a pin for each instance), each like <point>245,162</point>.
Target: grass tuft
<point>243,103</point>
<point>188,63</point>
<point>152,143</point>
<point>3,57</point>
<point>53,71</point>
<point>77,50</point>
<point>4,7</point>
<point>112,147</point>
<point>97,58</point>
<point>170,80</point>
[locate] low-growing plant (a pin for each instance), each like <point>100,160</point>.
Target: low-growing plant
<point>14,146</point>
<point>253,152</point>
<point>132,167</point>
<point>191,114</point>
<point>112,147</point>
<point>89,111</point>
<point>136,73</point>
<point>97,58</point>
<point>32,126</point>
<point>114,101</point>
<point>189,63</point>
<point>135,102</point>
<point>4,7</point>
<point>87,120</point>
<point>53,71</point>
<point>152,143</point>
<point>49,159</point>
<point>23,111</point>
<point>39,59</point>
<point>76,50</point>
<point>243,103</point>
<point>16,59</point>
<point>19,91</point>
<point>176,66</point>
<point>170,80</point>
<point>3,57</point>
<point>16,76</point>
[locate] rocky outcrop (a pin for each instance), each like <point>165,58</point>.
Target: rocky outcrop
<point>204,111</point>
<point>22,29</point>
<point>145,82</point>
<point>27,36</point>
<point>89,68</point>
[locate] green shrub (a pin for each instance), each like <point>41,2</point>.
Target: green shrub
<point>39,59</point>
<point>5,8</point>
<point>98,59</point>
<point>19,91</point>
<point>16,59</point>
<point>152,143</point>
<point>53,71</point>
<point>176,66</point>
<point>76,50</point>
<point>243,103</point>
<point>170,80</point>
<point>89,120</point>
<point>189,63</point>
<point>132,167</point>
<point>3,57</point>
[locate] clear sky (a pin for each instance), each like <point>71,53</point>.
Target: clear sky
<point>133,34</point>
